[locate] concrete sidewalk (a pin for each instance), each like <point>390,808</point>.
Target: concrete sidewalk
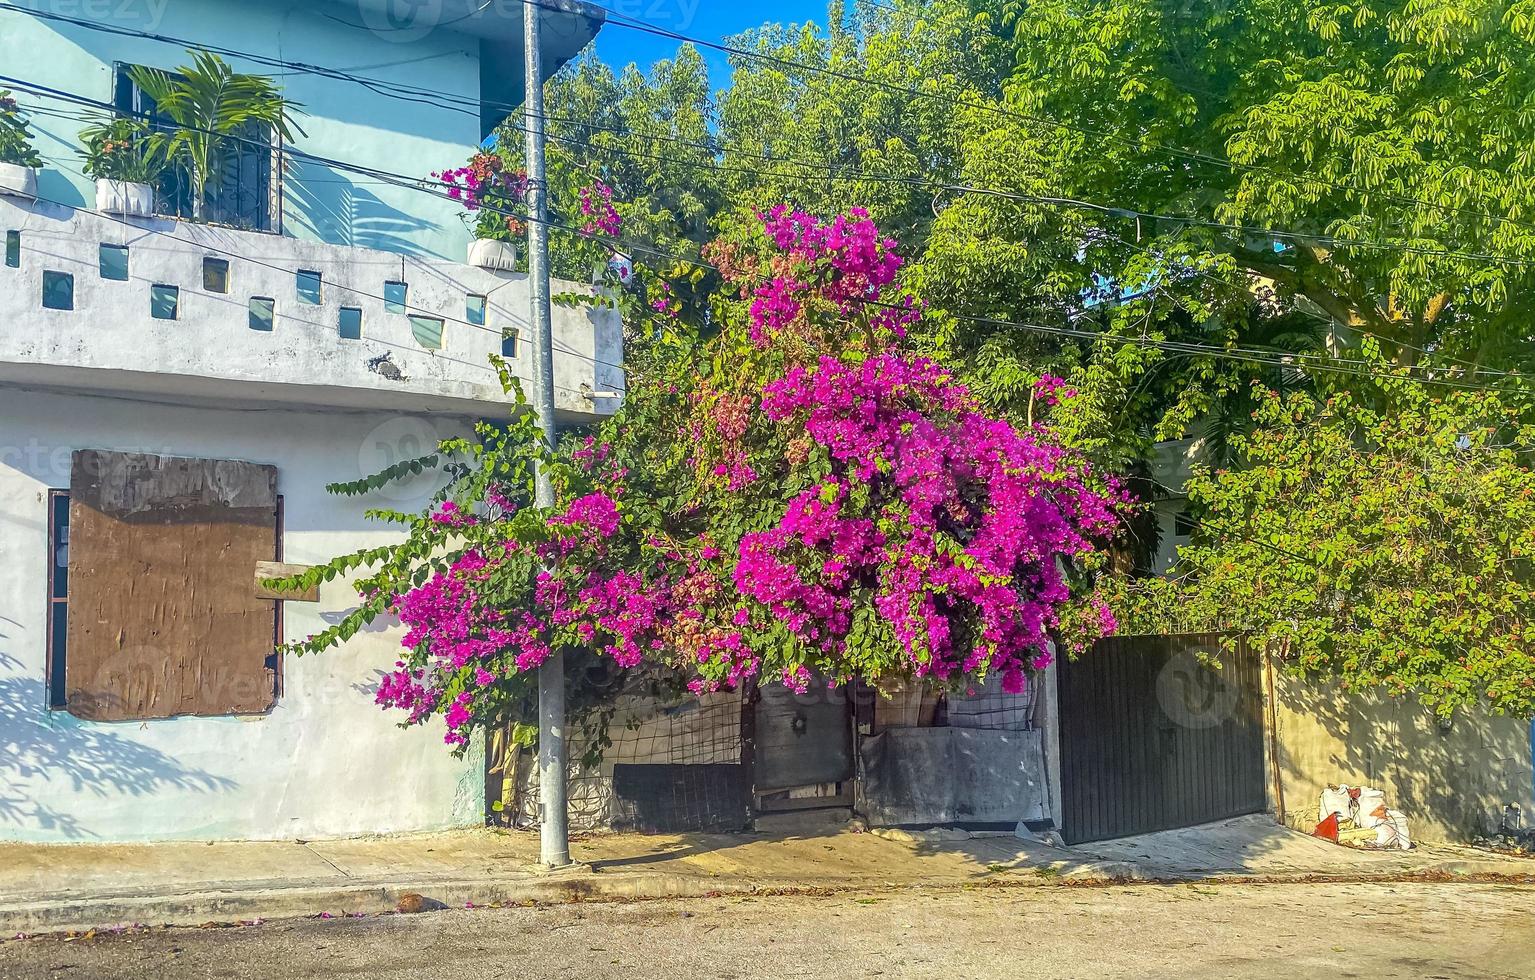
<point>79,886</point>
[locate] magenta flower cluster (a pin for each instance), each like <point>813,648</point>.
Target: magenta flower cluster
<point>845,261</point>
<point>484,182</point>
<point>597,208</point>
<point>472,644</point>
<point>963,521</point>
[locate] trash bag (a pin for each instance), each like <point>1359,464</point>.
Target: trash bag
<point>1371,810</point>
<point>1336,800</point>
<point>1392,832</point>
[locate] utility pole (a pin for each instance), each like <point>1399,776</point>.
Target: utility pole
<point>554,850</point>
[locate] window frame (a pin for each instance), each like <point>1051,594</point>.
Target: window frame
<point>131,102</point>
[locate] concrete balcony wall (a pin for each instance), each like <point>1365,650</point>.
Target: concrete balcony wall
<point>111,342</point>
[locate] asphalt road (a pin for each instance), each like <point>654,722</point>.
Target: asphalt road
<point>1310,931</point>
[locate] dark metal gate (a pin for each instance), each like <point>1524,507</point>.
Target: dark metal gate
<point>1152,738</point>
<point>803,749</point>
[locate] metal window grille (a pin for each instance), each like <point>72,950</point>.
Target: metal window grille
<point>248,187</point>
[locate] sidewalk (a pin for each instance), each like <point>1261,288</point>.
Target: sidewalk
<point>79,886</point>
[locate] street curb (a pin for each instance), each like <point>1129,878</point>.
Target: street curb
<point>232,904</point>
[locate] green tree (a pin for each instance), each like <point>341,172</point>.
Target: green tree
<point>821,142</point>
<point>647,136</point>
<point>1164,202</point>
<point>1383,538</point>
<point>1362,168</point>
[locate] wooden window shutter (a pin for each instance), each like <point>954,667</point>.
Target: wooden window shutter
<point>162,617</point>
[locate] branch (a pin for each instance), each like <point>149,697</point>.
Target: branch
<point>1340,304</point>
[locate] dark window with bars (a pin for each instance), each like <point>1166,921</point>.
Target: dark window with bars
<point>58,592</point>
<point>244,194</point>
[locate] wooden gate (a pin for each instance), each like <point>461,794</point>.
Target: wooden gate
<point>1152,738</point>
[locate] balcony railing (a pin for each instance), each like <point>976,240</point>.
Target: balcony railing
<point>149,304</point>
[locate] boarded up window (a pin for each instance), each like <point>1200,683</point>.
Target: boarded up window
<point>163,620</point>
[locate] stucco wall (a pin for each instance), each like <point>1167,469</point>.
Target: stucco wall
<point>325,761</point>
<point>1452,784</point>
<point>342,121</point>
<point>211,349</point>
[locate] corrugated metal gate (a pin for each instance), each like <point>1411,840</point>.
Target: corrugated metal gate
<point>1152,738</point>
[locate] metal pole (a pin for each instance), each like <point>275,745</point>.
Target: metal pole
<point>554,851</point>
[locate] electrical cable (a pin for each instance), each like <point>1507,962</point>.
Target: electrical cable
<point>417,184</point>
<point>619,19</point>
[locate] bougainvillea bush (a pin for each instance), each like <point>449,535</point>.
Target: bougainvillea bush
<point>796,497</point>
<point>494,195</point>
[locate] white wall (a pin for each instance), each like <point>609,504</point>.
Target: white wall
<point>326,761</point>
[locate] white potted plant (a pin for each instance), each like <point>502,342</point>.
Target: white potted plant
<point>210,111</point>
<point>19,161</point>
<point>116,157</point>
<point>492,195</point>
<point>493,253</point>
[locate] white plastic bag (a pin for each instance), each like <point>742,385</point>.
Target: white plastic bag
<point>1335,799</point>
<point>1392,831</point>
<point>1372,804</point>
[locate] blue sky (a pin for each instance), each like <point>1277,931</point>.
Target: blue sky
<point>709,20</point>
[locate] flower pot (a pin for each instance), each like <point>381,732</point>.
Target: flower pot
<point>125,197</point>
<point>18,181</point>
<point>489,254</point>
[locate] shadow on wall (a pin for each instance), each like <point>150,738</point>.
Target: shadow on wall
<point>333,208</point>
<point>1451,781</point>
<point>38,746</point>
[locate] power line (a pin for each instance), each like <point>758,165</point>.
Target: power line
<point>1247,292</point>
<point>618,19</point>
<point>852,175</point>
<point>435,355</point>
<point>420,185</point>
<point>1053,201</point>
<point>374,342</point>
<point>387,177</point>
<point>1301,362</point>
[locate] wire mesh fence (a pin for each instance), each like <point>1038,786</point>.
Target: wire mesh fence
<point>668,764</point>
<point>680,763</point>
<point>920,705</point>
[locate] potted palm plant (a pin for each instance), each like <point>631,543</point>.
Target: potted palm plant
<point>117,157</point>
<point>493,196</point>
<point>213,112</point>
<point>19,161</point>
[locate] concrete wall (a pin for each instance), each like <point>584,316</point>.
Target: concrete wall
<point>1452,784</point>
<point>110,339</point>
<point>342,121</point>
<point>325,761</point>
